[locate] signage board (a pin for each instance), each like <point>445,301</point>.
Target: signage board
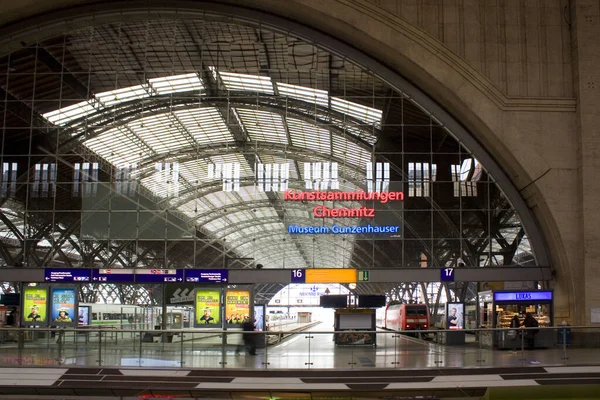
<point>455,316</point>
<point>116,275</point>
<point>206,275</point>
<point>330,275</point>
<point>84,315</point>
<point>208,308</point>
<point>63,306</point>
<point>363,276</point>
<point>298,276</point>
<point>66,275</point>
<point>523,296</point>
<point>35,304</point>
<point>447,275</point>
<point>179,293</point>
<point>237,306</point>
<point>158,275</point>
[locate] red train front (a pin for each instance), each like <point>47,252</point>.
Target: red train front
<point>406,317</point>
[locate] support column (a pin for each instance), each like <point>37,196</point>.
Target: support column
<point>585,31</point>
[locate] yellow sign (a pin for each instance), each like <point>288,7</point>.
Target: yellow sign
<point>34,305</point>
<point>237,306</point>
<point>208,308</point>
<point>330,275</point>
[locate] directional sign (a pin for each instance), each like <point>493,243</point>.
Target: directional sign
<point>363,276</point>
<point>330,275</point>
<point>179,293</point>
<point>158,275</point>
<point>298,276</point>
<point>117,275</point>
<point>447,275</point>
<point>182,296</point>
<point>67,275</point>
<point>206,275</point>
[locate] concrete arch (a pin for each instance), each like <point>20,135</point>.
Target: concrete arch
<point>506,129</point>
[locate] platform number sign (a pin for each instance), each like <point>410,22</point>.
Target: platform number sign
<point>298,276</point>
<point>447,275</point>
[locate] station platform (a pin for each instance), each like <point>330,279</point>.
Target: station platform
<point>305,362</point>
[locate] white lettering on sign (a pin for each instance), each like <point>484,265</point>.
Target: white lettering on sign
<point>182,296</point>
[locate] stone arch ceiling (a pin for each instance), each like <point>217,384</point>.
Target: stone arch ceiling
<point>471,79</point>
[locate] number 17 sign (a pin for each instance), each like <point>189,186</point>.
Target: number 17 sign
<point>447,275</point>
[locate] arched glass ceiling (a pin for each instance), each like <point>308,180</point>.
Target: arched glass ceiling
<point>157,104</point>
<point>161,135</point>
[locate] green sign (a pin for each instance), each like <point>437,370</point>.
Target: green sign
<point>363,276</point>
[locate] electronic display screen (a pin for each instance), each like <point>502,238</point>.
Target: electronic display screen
<point>334,301</point>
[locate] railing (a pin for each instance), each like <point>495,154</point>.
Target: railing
<point>344,349</point>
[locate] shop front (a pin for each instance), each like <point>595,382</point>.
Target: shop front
<point>497,309</point>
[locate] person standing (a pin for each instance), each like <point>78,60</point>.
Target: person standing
<point>515,323</point>
<point>530,323</point>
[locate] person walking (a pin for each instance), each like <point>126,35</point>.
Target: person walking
<point>248,338</point>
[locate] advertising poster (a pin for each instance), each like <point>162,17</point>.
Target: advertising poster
<point>237,306</point>
<point>354,338</point>
<point>64,305</point>
<point>84,316</point>
<point>259,317</point>
<point>455,316</point>
<point>35,302</point>
<point>208,308</point>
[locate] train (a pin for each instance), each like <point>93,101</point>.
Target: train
<point>404,317</point>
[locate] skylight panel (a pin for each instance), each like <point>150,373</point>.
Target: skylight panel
<point>265,212</point>
<point>250,83</point>
<point>292,213</point>
<point>205,124</point>
<point>215,225</point>
<point>358,111</point>
<point>245,170</point>
<point>315,96</point>
<point>65,115</point>
<point>249,193</point>
<point>176,84</point>
<point>117,96</point>
<point>193,208</point>
<point>117,147</point>
<point>351,152</point>
<point>233,237</point>
<point>221,199</point>
<point>263,126</point>
<point>194,172</point>
<point>161,133</point>
<point>253,230</point>
<point>309,136</point>
<point>240,216</point>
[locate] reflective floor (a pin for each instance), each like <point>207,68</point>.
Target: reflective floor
<point>311,349</point>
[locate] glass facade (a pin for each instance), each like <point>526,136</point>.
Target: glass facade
<point>203,143</point>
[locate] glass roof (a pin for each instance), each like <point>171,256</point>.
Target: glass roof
<point>316,96</point>
<point>248,83</point>
<point>176,84</point>
<point>263,126</point>
<point>181,136</point>
<point>358,111</point>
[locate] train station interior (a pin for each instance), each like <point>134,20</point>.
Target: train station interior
<point>361,199</point>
